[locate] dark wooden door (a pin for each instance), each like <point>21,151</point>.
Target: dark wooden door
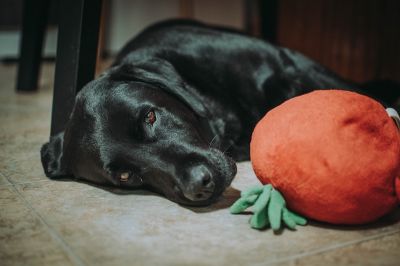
<point>359,39</point>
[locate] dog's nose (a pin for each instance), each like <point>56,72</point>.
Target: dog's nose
<point>200,184</point>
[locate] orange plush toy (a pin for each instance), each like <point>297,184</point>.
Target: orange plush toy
<point>334,156</point>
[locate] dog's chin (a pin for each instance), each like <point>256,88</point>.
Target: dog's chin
<point>175,194</point>
<point>180,198</point>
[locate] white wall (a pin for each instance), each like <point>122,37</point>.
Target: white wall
<point>9,43</point>
<point>128,17</point>
<point>221,12</point>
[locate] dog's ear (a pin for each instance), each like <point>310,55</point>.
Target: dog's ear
<point>162,74</point>
<point>52,157</point>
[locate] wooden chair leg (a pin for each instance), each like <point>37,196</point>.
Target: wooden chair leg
<point>34,23</point>
<point>78,34</point>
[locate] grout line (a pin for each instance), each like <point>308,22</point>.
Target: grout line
<point>30,182</point>
<point>10,183</point>
<point>331,248</point>
<point>7,179</point>
<point>70,253</point>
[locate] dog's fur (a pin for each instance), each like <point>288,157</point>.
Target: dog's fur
<point>207,88</point>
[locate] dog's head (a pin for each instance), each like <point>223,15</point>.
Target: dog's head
<point>138,126</point>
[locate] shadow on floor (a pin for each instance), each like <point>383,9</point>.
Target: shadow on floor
<point>225,201</point>
<point>387,220</point>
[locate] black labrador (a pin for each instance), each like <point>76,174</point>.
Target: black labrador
<point>180,101</point>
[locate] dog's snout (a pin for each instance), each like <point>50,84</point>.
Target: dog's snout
<point>200,183</point>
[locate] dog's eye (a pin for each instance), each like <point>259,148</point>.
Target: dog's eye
<point>124,177</point>
<point>150,117</point>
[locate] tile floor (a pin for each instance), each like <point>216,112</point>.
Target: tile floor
<point>44,222</point>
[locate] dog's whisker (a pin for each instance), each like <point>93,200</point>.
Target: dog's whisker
<point>212,141</point>
<point>227,148</point>
<point>230,145</point>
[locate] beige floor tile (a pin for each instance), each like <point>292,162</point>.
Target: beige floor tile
<point>25,123</point>
<point>3,180</point>
<point>107,227</point>
<point>22,168</point>
<point>147,228</point>
<point>383,251</point>
<point>24,240</point>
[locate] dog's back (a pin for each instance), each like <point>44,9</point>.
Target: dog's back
<point>298,74</point>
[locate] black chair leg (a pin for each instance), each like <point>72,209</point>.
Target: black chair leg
<point>78,33</point>
<point>34,23</point>
<point>269,19</point>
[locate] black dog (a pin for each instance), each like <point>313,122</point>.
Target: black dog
<point>179,99</point>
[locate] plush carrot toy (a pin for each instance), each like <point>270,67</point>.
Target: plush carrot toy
<point>330,155</point>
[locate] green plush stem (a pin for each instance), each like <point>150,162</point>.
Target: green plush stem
<point>269,208</point>
<point>243,203</point>
<point>275,209</point>
<point>263,199</point>
<point>259,220</point>
<point>256,190</point>
<point>288,219</point>
<point>297,218</point>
